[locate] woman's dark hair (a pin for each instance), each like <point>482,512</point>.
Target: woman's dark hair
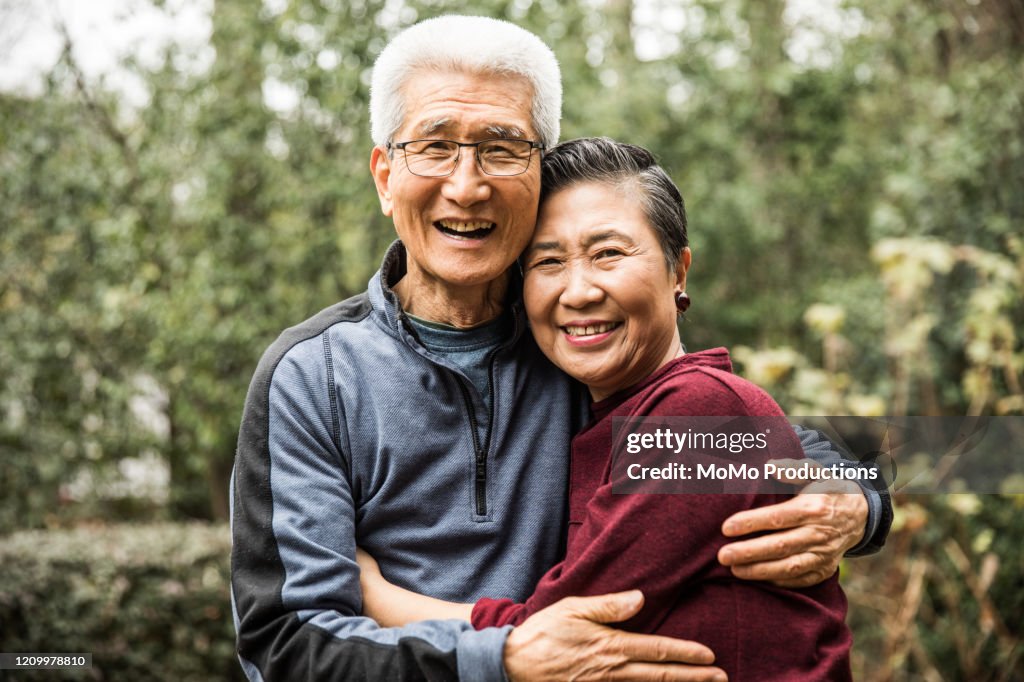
<point>600,159</point>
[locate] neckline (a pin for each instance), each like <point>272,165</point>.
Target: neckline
<point>601,408</point>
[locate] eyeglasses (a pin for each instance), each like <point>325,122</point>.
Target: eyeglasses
<point>438,158</point>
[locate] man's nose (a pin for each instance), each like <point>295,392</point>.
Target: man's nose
<point>580,288</point>
<point>467,185</point>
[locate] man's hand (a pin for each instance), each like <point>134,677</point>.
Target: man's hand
<point>812,531</point>
<point>567,641</point>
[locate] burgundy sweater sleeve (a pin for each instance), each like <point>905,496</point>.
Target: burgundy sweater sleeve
<point>660,544</point>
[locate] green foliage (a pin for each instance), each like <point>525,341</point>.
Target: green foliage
<point>71,303</point>
<point>855,220</point>
<point>148,602</point>
<point>944,599</point>
<point>152,253</point>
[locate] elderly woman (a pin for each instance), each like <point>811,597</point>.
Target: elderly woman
<point>604,281</point>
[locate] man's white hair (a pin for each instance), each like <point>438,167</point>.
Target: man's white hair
<point>465,44</point>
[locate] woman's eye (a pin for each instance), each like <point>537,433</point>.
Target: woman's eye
<point>609,253</point>
<point>546,261</point>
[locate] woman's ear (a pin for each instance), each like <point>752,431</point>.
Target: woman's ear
<point>380,168</point>
<point>681,267</point>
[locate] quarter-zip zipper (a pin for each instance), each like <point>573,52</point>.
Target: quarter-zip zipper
<point>480,460</point>
<point>480,463</point>
<point>480,456</point>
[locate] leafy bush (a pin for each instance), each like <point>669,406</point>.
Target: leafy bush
<point>148,602</point>
<point>944,599</point>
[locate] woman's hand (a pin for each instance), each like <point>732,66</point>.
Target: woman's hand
<point>394,606</point>
<point>378,593</point>
<point>368,567</point>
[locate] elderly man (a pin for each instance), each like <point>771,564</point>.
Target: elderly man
<point>419,420</point>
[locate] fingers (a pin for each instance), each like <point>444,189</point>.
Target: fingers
<point>647,672</point>
<point>796,558</point>
<point>806,580</point>
<point>774,546</point>
<point>801,570</point>
<point>788,514</point>
<point>657,649</point>
<point>607,608</point>
<point>566,641</point>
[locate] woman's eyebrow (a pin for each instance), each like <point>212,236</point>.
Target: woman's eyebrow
<point>544,246</point>
<point>592,239</point>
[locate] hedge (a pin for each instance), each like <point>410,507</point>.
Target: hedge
<point>148,602</point>
<point>943,600</point>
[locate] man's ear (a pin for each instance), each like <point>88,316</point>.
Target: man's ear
<point>682,266</point>
<point>380,169</point>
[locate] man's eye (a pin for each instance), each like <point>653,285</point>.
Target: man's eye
<point>429,148</point>
<point>495,151</point>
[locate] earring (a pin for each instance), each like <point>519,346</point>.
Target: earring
<point>387,195</point>
<point>682,301</point>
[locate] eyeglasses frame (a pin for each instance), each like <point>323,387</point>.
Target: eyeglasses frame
<point>389,146</point>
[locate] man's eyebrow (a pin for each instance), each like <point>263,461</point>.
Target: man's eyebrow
<point>592,239</point>
<point>506,131</point>
<point>428,128</point>
<point>439,125</point>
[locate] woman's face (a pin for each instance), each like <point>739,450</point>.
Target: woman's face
<point>598,293</point>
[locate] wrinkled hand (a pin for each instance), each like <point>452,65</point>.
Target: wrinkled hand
<point>567,641</point>
<point>812,531</point>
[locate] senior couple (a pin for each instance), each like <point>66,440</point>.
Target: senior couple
<point>428,423</point>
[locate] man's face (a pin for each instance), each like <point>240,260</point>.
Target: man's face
<point>465,229</point>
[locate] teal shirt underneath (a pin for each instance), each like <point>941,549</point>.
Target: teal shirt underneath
<point>468,349</point>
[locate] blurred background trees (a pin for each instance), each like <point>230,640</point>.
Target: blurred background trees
<point>854,173</point>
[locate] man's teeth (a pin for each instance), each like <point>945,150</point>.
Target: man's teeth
<point>471,226</point>
<point>590,330</point>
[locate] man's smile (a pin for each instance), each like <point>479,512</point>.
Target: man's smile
<point>465,229</point>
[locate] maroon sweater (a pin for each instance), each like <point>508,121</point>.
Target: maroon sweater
<point>667,545</point>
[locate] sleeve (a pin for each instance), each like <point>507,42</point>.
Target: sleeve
<point>294,580</point>
<point>661,544</point>
<point>818,447</point>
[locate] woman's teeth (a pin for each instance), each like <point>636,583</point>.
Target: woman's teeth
<point>590,330</point>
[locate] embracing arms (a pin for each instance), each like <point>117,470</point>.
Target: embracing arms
<point>295,584</point>
<point>812,531</point>
<point>809,534</point>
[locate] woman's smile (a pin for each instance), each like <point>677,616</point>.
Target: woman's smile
<point>588,333</point>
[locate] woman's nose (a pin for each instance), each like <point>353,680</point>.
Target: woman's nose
<point>580,289</point>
